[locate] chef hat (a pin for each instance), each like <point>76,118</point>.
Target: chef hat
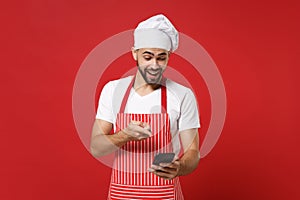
<point>156,32</point>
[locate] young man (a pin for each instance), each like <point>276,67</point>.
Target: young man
<point>149,115</point>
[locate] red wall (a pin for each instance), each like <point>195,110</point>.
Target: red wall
<point>255,45</point>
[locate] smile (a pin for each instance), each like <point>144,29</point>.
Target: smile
<point>153,73</point>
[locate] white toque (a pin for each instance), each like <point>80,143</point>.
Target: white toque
<point>156,32</point>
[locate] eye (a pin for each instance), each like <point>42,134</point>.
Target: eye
<point>147,58</point>
<point>161,58</point>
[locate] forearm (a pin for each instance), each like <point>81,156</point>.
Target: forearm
<point>189,162</point>
<point>103,144</point>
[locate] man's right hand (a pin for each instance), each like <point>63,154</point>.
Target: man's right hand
<point>137,130</point>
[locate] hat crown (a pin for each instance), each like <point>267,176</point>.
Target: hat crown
<point>160,23</point>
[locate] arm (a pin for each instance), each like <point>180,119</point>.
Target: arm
<point>187,163</point>
<point>190,159</point>
<point>103,143</point>
<point>188,123</point>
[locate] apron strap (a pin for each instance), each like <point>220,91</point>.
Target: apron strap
<point>125,98</point>
<point>163,96</point>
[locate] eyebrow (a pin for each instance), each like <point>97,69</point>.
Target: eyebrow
<point>160,54</point>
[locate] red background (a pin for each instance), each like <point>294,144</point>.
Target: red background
<point>255,45</point>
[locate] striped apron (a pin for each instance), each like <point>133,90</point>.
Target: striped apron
<point>130,177</point>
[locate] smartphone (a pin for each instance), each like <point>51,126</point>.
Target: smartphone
<point>163,158</point>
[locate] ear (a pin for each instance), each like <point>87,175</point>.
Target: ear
<point>134,53</point>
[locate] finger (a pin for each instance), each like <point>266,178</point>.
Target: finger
<point>165,170</point>
<point>172,166</point>
<point>143,131</point>
<point>151,170</point>
<point>147,126</point>
<point>159,168</point>
<point>164,175</point>
<point>175,158</point>
<point>165,164</point>
<point>156,167</point>
<point>142,137</point>
<point>137,131</point>
<point>138,123</point>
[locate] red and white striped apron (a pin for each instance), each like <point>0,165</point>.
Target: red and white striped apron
<point>130,177</point>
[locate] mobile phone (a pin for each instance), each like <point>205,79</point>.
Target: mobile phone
<point>163,158</point>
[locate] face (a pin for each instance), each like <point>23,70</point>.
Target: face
<point>151,63</point>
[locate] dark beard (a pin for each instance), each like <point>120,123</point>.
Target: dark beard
<point>150,81</point>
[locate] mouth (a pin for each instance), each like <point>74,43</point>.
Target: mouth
<point>153,74</point>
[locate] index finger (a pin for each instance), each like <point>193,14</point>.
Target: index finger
<point>136,122</point>
<point>174,164</point>
<point>143,131</point>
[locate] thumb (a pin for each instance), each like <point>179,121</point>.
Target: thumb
<point>175,158</point>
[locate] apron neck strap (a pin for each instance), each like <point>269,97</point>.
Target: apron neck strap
<point>163,96</point>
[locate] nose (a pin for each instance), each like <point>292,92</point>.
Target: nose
<point>155,64</point>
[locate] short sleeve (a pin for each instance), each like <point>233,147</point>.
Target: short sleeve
<point>105,111</point>
<point>189,116</point>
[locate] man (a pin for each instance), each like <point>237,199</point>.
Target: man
<point>149,115</point>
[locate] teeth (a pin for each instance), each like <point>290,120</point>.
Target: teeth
<point>154,74</point>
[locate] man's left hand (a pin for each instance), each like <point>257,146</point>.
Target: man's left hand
<point>166,170</point>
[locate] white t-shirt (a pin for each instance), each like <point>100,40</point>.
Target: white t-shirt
<point>181,104</point>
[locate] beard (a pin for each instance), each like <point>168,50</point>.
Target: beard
<point>151,75</point>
